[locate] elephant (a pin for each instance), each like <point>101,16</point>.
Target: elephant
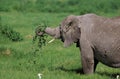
<point>97,37</point>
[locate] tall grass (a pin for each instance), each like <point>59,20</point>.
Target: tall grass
<point>57,6</point>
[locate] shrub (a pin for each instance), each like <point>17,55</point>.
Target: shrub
<point>42,38</point>
<point>10,33</point>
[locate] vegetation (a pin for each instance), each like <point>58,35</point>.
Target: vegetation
<point>56,6</point>
<point>10,33</point>
<point>41,38</point>
<point>21,60</point>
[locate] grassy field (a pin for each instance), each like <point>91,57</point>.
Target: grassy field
<point>20,60</point>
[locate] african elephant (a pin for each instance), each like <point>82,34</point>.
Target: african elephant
<point>97,37</point>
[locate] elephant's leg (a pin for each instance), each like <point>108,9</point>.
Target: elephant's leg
<point>87,57</point>
<point>95,64</point>
<point>88,65</point>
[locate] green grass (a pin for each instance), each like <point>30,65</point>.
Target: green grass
<point>18,60</point>
<point>58,6</point>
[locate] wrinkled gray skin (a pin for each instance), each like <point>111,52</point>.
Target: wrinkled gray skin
<point>97,37</point>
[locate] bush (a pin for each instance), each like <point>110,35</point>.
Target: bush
<point>10,33</point>
<point>41,39</point>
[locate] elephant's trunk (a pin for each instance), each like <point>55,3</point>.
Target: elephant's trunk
<point>54,32</point>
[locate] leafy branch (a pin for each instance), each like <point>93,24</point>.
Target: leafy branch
<point>41,38</point>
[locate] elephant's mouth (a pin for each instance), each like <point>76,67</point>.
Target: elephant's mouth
<point>62,39</point>
<point>77,43</point>
<point>61,36</point>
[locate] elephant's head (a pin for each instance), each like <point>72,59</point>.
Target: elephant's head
<point>70,31</point>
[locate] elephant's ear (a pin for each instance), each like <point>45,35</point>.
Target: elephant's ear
<point>72,34</point>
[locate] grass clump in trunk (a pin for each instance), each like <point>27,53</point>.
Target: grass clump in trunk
<point>40,38</point>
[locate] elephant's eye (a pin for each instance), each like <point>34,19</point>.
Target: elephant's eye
<point>60,28</point>
<point>70,24</point>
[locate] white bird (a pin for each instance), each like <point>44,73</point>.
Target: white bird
<point>39,75</point>
<point>117,76</point>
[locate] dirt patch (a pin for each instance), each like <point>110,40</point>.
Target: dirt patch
<point>6,52</point>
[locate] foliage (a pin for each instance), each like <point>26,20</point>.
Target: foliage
<point>10,33</point>
<point>41,38</point>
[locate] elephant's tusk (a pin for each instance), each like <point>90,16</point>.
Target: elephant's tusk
<point>51,40</point>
